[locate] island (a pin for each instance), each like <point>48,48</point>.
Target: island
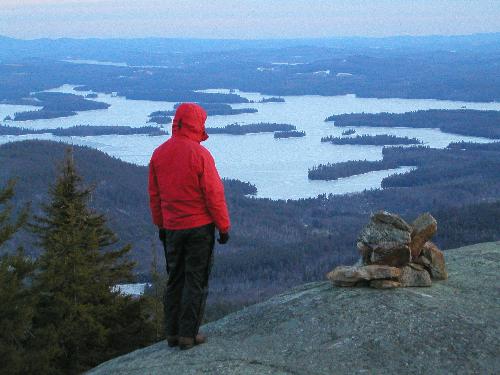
<point>160,118</point>
<point>349,132</point>
<point>262,127</point>
<point>41,114</point>
<point>213,109</point>
<point>272,99</point>
<point>373,140</point>
<point>462,121</point>
<point>289,134</point>
<point>170,95</point>
<point>334,171</point>
<point>58,104</point>
<point>85,131</point>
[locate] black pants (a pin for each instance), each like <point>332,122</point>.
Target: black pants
<point>189,256</point>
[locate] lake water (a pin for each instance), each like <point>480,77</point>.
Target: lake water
<point>278,167</point>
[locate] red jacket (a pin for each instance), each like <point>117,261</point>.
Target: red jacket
<point>185,190</point>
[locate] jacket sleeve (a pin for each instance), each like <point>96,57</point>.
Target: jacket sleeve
<point>154,196</point>
<point>213,191</point>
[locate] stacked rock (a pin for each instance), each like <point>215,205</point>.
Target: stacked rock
<point>394,254</point>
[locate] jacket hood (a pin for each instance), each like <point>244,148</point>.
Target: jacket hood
<point>189,121</point>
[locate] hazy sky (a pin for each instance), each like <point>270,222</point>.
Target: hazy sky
<point>245,18</point>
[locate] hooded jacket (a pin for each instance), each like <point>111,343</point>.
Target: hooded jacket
<point>185,190</point>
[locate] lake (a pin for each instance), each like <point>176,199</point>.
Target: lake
<point>277,167</point>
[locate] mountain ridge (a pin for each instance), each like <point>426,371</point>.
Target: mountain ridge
<point>317,328</point>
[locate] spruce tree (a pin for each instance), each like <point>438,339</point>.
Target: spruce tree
<point>8,225</point>
<point>16,299</point>
<point>80,318</point>
<point>154,296</point>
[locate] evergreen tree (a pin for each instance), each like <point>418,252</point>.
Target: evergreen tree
<point>80,318</point>
<point>16,300</point>
<point>9,226</point>
<point>154,295</point>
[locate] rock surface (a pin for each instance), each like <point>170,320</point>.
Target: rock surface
<point>424,227</point>
<point>316,329</point>
<point>385,284</point>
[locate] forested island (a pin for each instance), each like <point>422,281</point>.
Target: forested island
<point>144,91</point>
<point>85,131</point>
<point>56,104</point>
<point>334,171</point>
<point>349,132</point>
<point>493,146</point>
<point>89,130</point>
<point>376,140</point>
<point>213,109</point>
<point>41,114</point>
<point>262,127</point>
<point>462,121</point>
<point>272,99</point>
<point>290,134</point>
<point>160,118</point>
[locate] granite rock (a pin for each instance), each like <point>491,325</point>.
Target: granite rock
<point>318,329</point>
<point>423,228</point>
<point>411,276</point>
<point>345,275</point>
<point>433,260</point>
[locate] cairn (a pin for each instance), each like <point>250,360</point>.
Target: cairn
<point>394,254</point>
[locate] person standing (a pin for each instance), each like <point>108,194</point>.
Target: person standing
<point>187,204</point>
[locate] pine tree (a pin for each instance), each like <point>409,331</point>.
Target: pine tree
<point>8,226</point>
<point>16,299</point>
<point>80,319</point>
<point>154,295</point>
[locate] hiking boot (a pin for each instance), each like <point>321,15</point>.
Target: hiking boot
<point>172,341</point>
<point>189,342</point>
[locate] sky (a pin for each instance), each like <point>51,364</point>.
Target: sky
<point>245,19</point>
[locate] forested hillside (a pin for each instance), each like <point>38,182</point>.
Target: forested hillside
<point>277,244</point>
<point>462,121</point>
<point>454,68</point>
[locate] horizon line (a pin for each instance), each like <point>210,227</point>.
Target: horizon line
<point>255,39</point>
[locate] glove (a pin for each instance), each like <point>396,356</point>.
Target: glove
<point>162,234</point>
<point>223,238</point>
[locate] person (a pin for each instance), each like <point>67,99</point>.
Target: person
<point>187,204</point>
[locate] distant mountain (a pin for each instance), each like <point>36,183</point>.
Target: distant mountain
<point>117,49</point>
<point>449,328</point>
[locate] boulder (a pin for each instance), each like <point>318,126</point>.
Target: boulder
<point>412,276</point>
<point>390,253</point>
<point>384,284</point>
<point>351,276</point>
<point>394,220</point>
<point>416,266</point>
<point>421,260</point>
<point>433,259</point>
<point>385,227</point>
<point>387,236</point>
<point>424,227</point>
<point>365,252</point>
